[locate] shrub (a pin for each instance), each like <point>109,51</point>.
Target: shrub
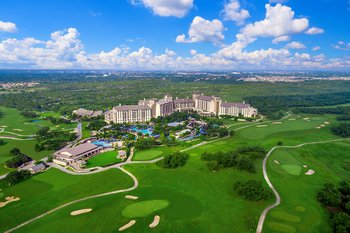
<point>342,130</point>
<point>17,176</point>
<point>252,190</point>
<point>174,160</point>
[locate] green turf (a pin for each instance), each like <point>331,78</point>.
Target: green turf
<point>26,147</point>
<point>104,159</point>
<point>204,202</point>
<point>299,193</point>
<point>14,120</point>
<point>285,216</point>
<point>148,154</point>
<point>292,169</point>
<point>280,227</point>
<point>52,188</point>
<point>144,208</point>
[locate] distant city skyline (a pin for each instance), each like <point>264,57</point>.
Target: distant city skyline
<point>175,34</point>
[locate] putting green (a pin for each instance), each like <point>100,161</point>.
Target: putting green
<point>285,216</point>
<point>144,208</point>
<point>279,227</point>
<point>294,170</point>
<point>300,208</point>
<point>148,154</point>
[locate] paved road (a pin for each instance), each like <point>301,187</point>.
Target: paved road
<point>266,177</point>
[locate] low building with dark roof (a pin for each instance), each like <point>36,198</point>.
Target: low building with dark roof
<point>37,168</point>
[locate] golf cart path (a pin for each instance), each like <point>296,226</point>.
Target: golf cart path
<point>136,184</point>
<point>117,166</point>
<point>267,179</point>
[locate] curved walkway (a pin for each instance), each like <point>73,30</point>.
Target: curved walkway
<point>117,166</point>
<point>18,139</point>
<point>267,179</point>
<point>136,183</point>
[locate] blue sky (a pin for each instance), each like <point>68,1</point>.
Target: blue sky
<point>175,34</point>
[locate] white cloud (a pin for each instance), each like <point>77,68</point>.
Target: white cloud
<point>232,11</point>
<point>341,45</point>
<point>277,1</point>
<point>280,39</point>
<point>202,30</point>
<point>314,31</point>
<point>65,50</point>
<point>177,8</point>
<point>279,21</point>
<point>316,48</point>
<point>7,27</point>
<point>295,45</point>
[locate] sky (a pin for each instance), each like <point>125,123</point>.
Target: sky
<point>175,34</point>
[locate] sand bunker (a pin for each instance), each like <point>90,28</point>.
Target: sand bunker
<point>277,162</point>
<point>155,222</point>
<point>305,166</point>
<point>78,212</point>
<point>310,172</point>
<point>260,126</point>
<point>3,126</point>
<point>130,197</point>
<point>276,123</point>
<point>327,123</point>
<point>20,130</point>
<point>318,127</point>
<point>128,225</point>
<point>9,200</point>
<point>322,125</point>
<point>306,118</point>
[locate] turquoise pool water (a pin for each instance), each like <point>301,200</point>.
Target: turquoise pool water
<point>148,131</point>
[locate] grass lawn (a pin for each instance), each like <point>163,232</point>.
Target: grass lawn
<point>13,120</point>
<point>52,188</point>
<point>149,154</point>
<point>144,208</point>
<point>26,147</point>
<point>86,133</point>
<point>104,159</point>
<point>204,202</point>
<point>300,211</point>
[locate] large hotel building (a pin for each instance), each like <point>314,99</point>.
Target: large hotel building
<point>153,108</point>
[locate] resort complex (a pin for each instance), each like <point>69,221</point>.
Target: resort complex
<point>153,108</point>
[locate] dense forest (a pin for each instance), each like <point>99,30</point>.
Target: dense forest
<point>65,93</point>
<point>270,105</point>
<point>337,201</point>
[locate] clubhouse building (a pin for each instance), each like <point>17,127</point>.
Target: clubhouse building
<point>153,108</point>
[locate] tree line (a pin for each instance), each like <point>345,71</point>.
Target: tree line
<point>252,190</point>
<point>342,130</point>
<point>243,159</point>
<point>18,160</point>
<point>337,202</point>
<point>173,160</point>
<point>274,104</point>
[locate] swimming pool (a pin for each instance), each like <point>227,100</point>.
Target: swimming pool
<point>102,143</point>
<point>148,131</point>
